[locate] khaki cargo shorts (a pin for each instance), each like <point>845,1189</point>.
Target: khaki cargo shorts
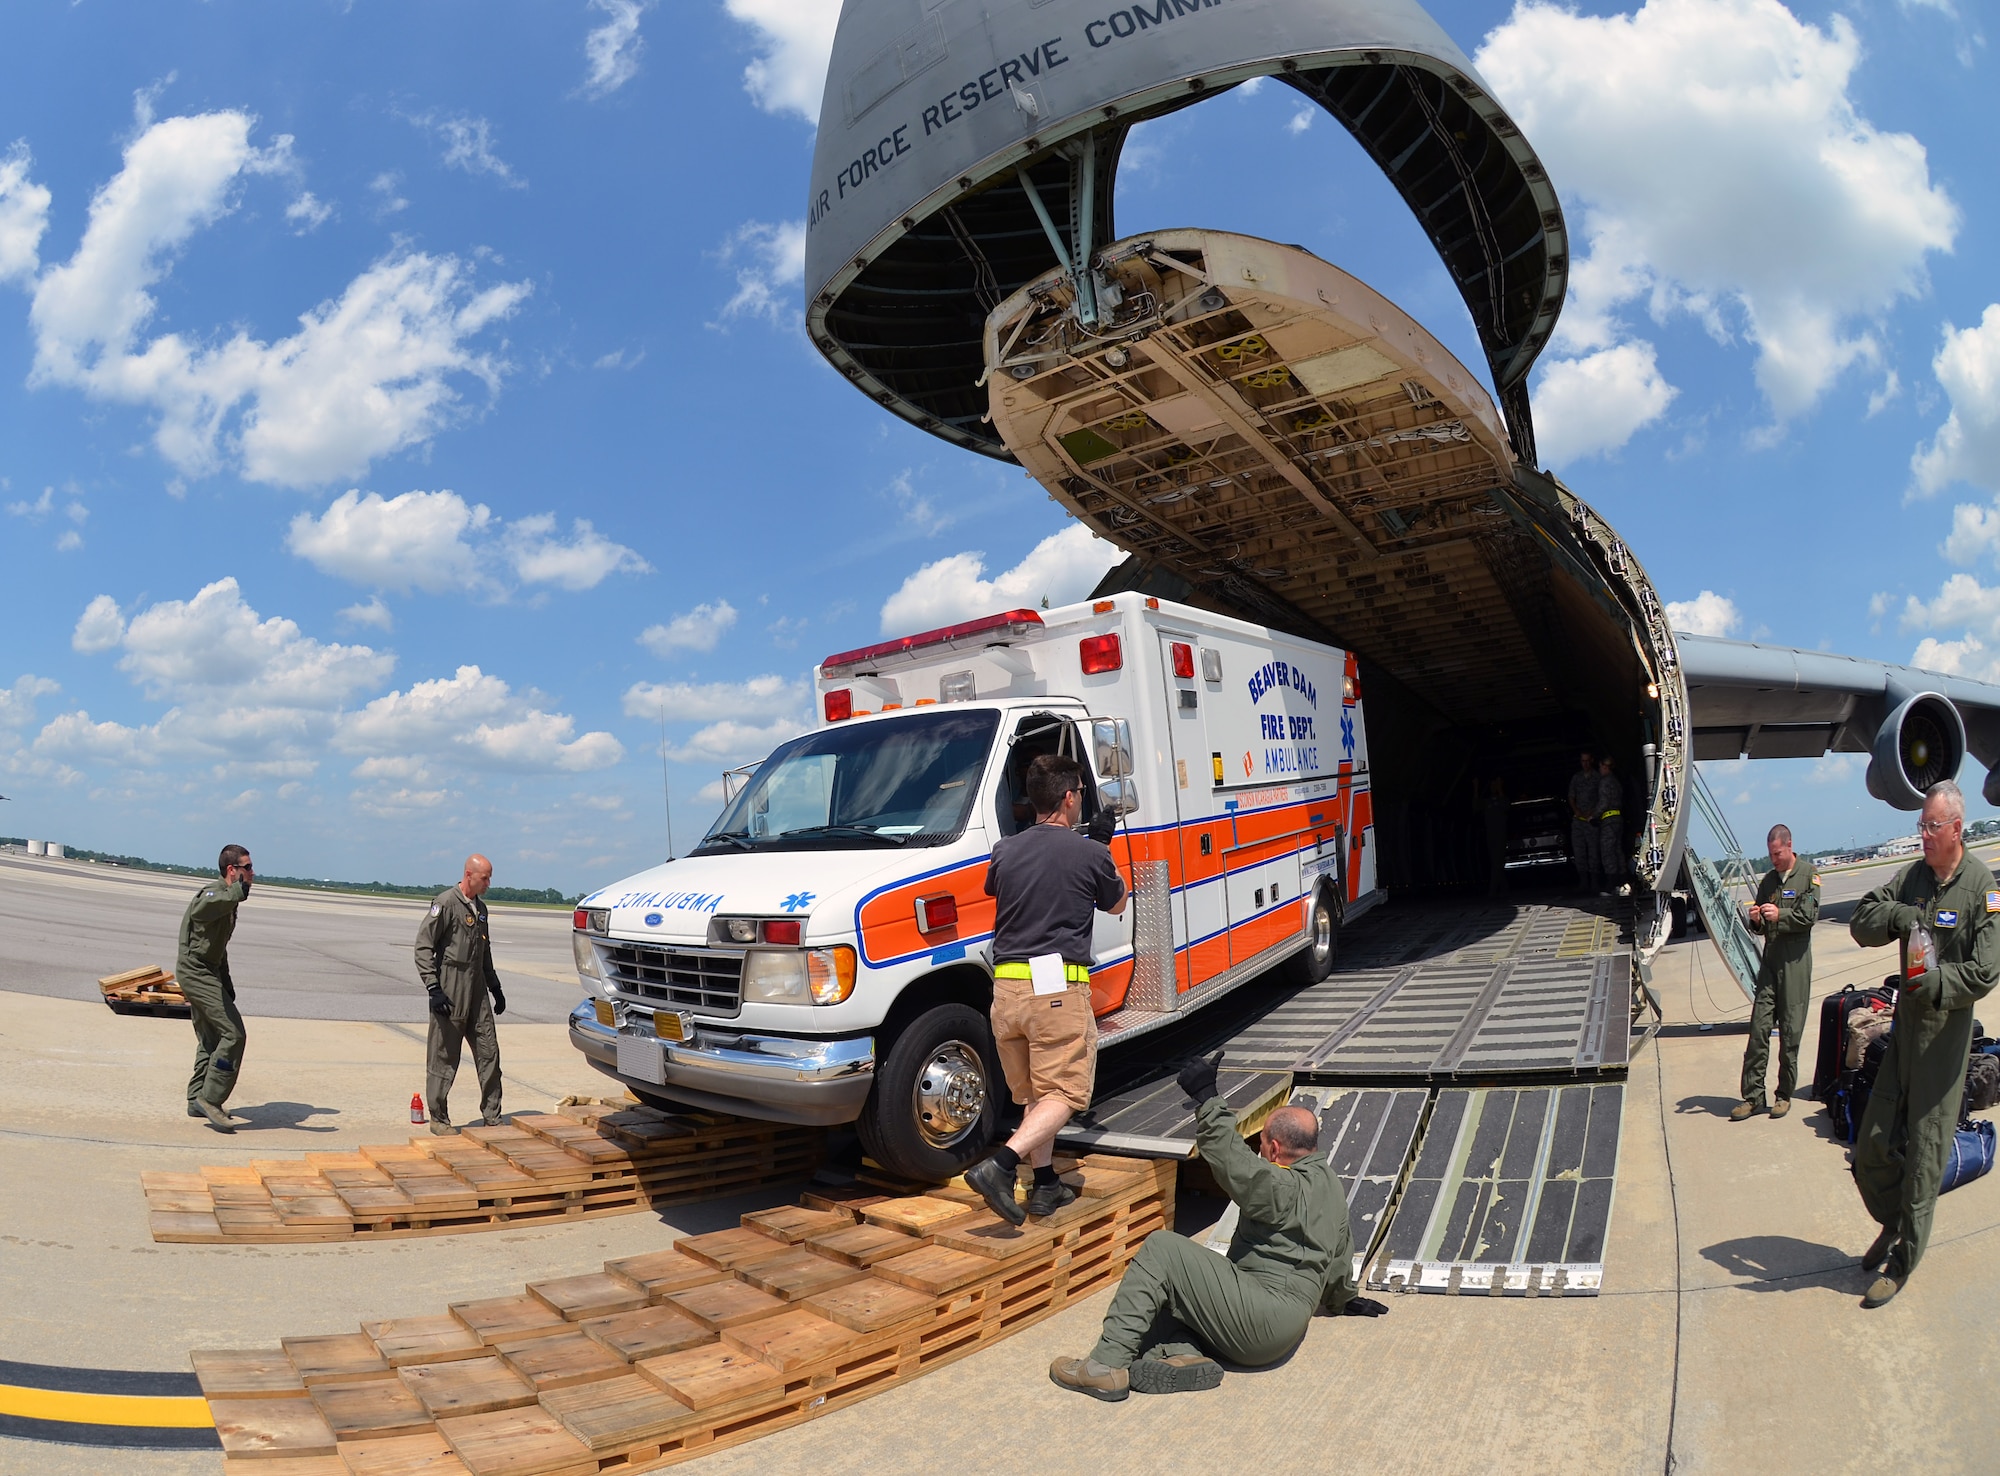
<point>1047,1042</point>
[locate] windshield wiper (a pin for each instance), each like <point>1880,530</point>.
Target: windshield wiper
<point>738,838</point>
<point>861,830</point>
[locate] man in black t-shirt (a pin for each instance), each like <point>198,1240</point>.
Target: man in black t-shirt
<point>1048,882</point>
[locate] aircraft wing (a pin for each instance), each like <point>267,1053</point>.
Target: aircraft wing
<point>1746,699</point>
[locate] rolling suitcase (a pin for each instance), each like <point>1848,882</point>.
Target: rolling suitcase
<point>1831,1058</point>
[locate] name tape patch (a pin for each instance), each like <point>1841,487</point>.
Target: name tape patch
<point>1947,918</point>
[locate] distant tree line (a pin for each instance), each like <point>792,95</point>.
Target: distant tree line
<point>545,896</point>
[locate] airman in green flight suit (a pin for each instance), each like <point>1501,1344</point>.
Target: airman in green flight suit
<point>1943,912</point>
<point>1786,908</point>
<point>201,968</point>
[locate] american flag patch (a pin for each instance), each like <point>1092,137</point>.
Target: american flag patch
<point>1993,901</point>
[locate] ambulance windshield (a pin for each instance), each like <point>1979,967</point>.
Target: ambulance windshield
<point>907,781</point>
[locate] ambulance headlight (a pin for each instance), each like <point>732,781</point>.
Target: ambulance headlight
<point>586,958</point>
<point>774,978</point>
<point>822,976</point>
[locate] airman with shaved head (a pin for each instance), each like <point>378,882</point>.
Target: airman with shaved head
<point>1181,1306</point>
<point>455,962</point>
<point>1784,912</point>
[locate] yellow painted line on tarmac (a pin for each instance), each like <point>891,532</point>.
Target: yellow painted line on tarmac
<point>149,1411</point>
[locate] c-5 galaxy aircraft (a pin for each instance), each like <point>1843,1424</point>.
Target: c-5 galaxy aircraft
<point>1267,436</point>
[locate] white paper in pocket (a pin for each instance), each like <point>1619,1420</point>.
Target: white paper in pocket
<point>1047,973</point>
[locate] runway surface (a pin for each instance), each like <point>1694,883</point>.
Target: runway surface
<point>298,955</point>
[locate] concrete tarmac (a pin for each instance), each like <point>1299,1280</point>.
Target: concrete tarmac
<point>297,954</point>
<point>1728,1337</point>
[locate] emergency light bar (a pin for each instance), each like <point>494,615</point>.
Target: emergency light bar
<point>988,630</point>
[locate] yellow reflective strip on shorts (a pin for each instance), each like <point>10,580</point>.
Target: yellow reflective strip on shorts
<point>158,1412</point>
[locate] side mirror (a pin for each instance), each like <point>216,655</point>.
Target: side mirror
<point>1112,740</point>
<point>1119,796</point>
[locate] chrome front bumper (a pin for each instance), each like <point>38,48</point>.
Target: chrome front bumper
<point>773,1077</point>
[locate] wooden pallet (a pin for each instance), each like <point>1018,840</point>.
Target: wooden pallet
<point>662,1357</point>
<point>147,991</point>
<point>578,1163</point>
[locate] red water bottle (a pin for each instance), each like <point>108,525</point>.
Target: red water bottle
<point>416,1106</point>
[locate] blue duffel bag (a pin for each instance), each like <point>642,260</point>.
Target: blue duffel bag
<point>1971,1154</point>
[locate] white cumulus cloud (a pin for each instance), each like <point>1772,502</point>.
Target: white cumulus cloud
<point>1593,405</point>
<point>1724,170</point>
<point>731,742</point>
<point>99,628</point>
<point>438,542</point>
<point>24,215</point>
<point>468,145</point>
<point>696,702</point>
<point>308,212</point>
<point>612,49</point>
<point>1966,447</point>
<point>1707,614</point>
<point>794,39</point>
<point>770,261</point>
<point>1062,568</point>
<point>477,717</point>
<point>17,703</point>
<point>373,612</point>
<point>583,560</point>
<point>369,373</point>
<point>692,630</point>
<point>1966,657</point>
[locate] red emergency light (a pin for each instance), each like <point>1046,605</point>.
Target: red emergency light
<point>1100,654</point>
<point>1014,623</point>
<point>839,706</point>
<point>783,931</point>
<point>1183,660</point>
<point>936,912</point>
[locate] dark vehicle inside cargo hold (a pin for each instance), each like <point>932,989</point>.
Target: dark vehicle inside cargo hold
<point>1537,835</point>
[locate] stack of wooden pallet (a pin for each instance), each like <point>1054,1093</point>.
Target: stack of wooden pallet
<point>661,1357</point>
<point>147,991</point>
<point>578,1163</point>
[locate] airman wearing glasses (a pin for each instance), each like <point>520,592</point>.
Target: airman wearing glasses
<point>201,968</point>
<point>1943,913</point>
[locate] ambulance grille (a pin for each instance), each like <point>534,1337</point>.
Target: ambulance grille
<point>686,978</point>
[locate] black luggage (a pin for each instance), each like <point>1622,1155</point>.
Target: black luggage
<point>1831,1058</point>
<point>1854,1087</point>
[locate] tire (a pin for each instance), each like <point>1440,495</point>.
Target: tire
<point>942,1061</point>
<point>1314,962</point>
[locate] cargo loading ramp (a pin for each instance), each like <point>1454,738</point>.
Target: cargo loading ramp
<point>1464,1059</point>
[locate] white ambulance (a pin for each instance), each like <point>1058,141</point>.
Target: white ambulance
<point>824,955</point>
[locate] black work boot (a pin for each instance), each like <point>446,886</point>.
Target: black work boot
<point>996,1186</point>
<point>1045,1199</point>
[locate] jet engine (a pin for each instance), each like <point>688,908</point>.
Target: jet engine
<point>1919,744</point>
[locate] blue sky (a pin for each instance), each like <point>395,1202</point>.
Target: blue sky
<point>401,406</point>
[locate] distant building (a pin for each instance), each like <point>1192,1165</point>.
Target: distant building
<point>1902,845</point>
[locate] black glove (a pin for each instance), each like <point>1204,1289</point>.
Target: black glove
<point>1103,825</point>
<point>499,1000</point>
<point>440,1006</point>
<point>1197,1078</point>
<point>1364,1307</point>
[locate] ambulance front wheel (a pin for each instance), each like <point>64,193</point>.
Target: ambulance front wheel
<point>1314,962</point>
<point>935,1106</point>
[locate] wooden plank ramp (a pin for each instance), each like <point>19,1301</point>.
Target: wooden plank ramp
<point>576,1163</point>
<point>147,991</point>
<point>662,1357</point>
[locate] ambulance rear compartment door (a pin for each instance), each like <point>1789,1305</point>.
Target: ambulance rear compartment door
<point>1200,924</point>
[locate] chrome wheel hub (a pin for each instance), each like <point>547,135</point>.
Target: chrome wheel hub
<point>950,1094</point>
